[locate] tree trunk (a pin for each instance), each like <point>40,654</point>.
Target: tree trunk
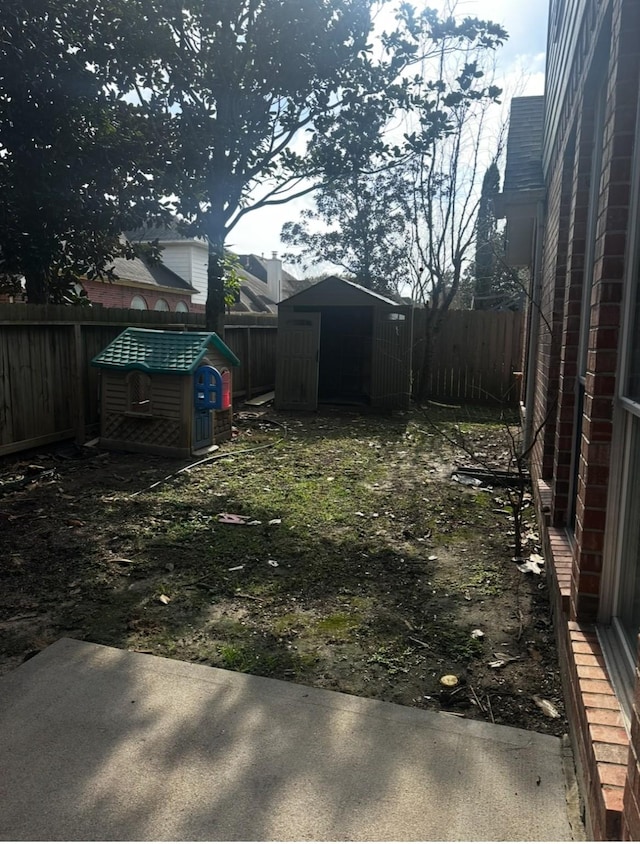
<point>37,286</point>
<point>215,308</point>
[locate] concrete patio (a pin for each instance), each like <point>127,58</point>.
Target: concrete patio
<point>104,744</point>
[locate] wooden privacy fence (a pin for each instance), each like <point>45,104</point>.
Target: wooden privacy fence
<point>475,356</point>
<point>49,390</point>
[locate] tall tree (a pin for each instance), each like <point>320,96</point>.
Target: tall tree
<point>495,283</point>
<point>268,99</point>
<point>445,197</point>
<point>250,91</point>
<point>371,217</point>
<point>77,160</point>
<point>486,230</point>
<point>362,221</point>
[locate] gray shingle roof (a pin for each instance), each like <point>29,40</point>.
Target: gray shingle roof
<point>137,270</point>
<point>523,170</point>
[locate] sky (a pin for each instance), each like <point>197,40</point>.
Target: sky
<point>520,70</point>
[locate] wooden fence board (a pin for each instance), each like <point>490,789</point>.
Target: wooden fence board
<point>474,357</point>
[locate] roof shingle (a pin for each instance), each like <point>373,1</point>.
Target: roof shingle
<point>523,170</point>
<point>166,352</point>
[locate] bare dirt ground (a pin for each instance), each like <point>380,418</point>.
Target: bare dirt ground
<point>374,579</point>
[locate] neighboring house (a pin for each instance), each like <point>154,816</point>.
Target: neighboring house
<point>179,281</point>
<point>572,202</point>
<point>264,283</point>
<point>141,286</point>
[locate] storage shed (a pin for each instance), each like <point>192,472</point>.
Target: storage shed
<point>339,343</point>
<point>165,392</point>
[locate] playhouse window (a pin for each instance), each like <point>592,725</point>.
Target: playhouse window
<point>138,392</point>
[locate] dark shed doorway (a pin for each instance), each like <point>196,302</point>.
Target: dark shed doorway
<point>346,342</point>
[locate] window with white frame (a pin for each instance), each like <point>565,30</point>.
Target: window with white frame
<point>161,305</point>
<point>620,607</point>
<point>138,304</point>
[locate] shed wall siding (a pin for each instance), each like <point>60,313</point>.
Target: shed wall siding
<point>166,396</point>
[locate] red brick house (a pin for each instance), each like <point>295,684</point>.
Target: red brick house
<point>142,286</point>
<point>572,202</point>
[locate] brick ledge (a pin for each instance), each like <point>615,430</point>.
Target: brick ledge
<point>605,739</point>
<point>599,735</point>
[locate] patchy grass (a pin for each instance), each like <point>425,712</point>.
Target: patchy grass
<point>371,583</point>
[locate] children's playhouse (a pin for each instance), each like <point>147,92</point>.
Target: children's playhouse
<point>165,392</point>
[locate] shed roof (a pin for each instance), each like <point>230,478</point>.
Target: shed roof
<point>166,352</point>
<point>523,170</point>
<point>338,291</point>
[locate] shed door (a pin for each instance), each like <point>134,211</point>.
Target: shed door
<point>297,361</point>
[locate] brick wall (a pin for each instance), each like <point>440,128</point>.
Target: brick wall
<point>572,305</point>
<point>608,755</point>
<point>551,311</point>
<point>605,312</point>
<point>113,295</point>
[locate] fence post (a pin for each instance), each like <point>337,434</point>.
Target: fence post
<point>247,364</point>
<point>80,364</point>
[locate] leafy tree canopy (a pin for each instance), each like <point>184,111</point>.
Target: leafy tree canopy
<point>366,218</point>
<point>223,106</point>
<point>77,160</point>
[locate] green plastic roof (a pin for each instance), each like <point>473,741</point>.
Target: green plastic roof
<point>167,352</point>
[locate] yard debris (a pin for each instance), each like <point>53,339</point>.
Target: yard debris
<point>475,699</point>
<point>546,706</point>
<point>236,519</point>
<point>164,599</point>
<point>502,659</point>
<point>273,563</point>
<point>432,558</point>
<point>236,568</point>
<point>75,523</point>
<point>477,633</point>
<point>449,681</point>
<point>467,480</point>
<point>274,522</point>
<point>532,565</point>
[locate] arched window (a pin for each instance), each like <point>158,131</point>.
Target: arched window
<point>138,392</point>
<point>161,305</point>
<point>138,304</point>
<point>181,308</point>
